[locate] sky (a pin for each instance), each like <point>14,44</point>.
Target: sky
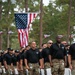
<point>46,2</point>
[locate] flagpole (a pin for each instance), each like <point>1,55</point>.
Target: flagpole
<point>28,12</point>
<point>41,15</point>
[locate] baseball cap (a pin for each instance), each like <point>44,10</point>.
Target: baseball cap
<point>16,51</point>
<point>10,49</point>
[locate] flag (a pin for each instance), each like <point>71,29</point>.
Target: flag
<point>46,35</point>
<point>23,21</point>
<point>1,32</point>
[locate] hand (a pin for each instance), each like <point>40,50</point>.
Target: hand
<point>51,64</point>
<point>6,68</point>
<point>65,64</point>
<point>27,67</point>
<point>41,67</point>
<point>70,67</point>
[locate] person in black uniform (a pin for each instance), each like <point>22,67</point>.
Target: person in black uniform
<point>15,62</point>
<point>32,59</point>
<point>8,62</point>
<point>67,53</point>
<point>58,54</point>
<point>2,63</point>
<point>71,58</point>
<point>45,55</point>
<point>20,60</point>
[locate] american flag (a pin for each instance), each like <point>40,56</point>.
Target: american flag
<point>23,21</point>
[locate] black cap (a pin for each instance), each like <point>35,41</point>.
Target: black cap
<point>10,49</point>
<point>16,51</point>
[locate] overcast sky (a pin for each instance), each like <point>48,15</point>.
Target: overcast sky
<point>46,2</point>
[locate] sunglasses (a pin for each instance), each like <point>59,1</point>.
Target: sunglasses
<point>50,43</point>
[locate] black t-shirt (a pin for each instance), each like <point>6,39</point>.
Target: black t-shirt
<point>57,52</point>
<point>19,57</point>
<point>23,57</point>
<point>33,56</point>
<point>8,58</point>
<point>0,58</point>
<point>15,60</point>
<point>72,51</point>
<point>2,62</point>
<point>45,54</point>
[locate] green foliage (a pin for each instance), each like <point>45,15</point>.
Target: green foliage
<point>55,20</point>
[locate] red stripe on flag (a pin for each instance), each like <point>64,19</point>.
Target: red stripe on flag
<point>19,38</point>
<point>34,15</point>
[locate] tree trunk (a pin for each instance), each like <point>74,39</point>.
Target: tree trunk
<point>8,40</point>
<point>0,10</point>
<point>41,15</point>
<point>69,23</point>
<point>0,19</point>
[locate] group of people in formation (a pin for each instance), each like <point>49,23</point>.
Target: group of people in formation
<point>30,60</point>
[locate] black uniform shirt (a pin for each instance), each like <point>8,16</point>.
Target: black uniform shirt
<point>22,58</point>
<point>2,62</point>
<point>19,56</point>
<point>15,60</point>
<point>8,58</point>
<point>45,54</point>
<point>33,56</point>
<point>0,58</point>
<point>57,52</point>
<point>72,51</point>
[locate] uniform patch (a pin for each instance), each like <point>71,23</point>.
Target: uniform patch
<point>62,47</point>
<point>37,52</point>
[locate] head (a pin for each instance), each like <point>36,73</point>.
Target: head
<point>33,45</point>
<point>2,52</point>
<point>44,45</point>
<point>58,39</point>
<point>49,43</point>
<point>17,52</point>
<point>27,47</point>
<point>67,47</point>
<point>10,50</point>
<point>64,43</point>
<point>22,49</point>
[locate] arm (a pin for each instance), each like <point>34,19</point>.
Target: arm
<point>18,66</point>
<point>65,60</point>
<point>21,62</point>
<point>25,60</point>
<point>69,60</point>
<point>50,55</point>
<point>70,57</point>
<point>5,62</point>
<point>41,63</point>
<point>50,60</point>
<point>26,63</point>
<point>5,65</point>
